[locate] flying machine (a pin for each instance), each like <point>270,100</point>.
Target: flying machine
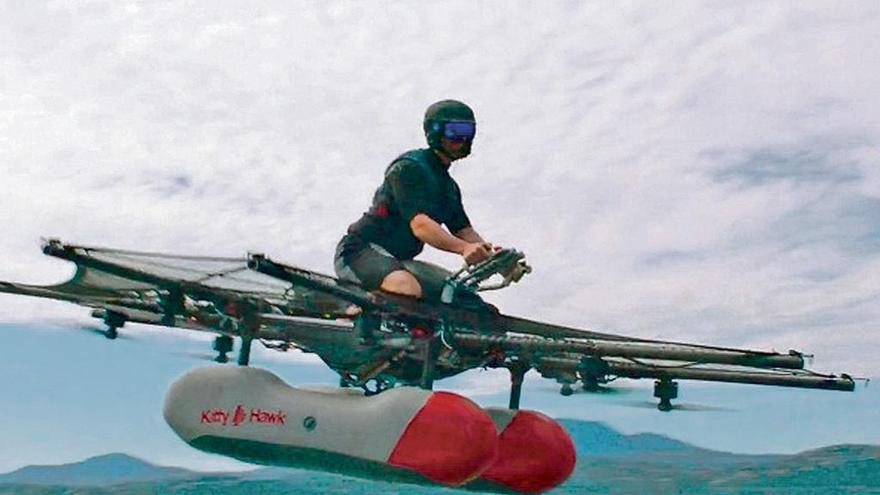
<point>384,420</point>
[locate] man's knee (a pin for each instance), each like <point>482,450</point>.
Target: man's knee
<point>402,282</point>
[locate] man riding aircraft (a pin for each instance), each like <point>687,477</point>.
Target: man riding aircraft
<point>416,198</point>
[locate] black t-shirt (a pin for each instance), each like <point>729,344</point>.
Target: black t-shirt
<point>415,182</point>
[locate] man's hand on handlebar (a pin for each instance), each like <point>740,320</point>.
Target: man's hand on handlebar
<point>476,252</point>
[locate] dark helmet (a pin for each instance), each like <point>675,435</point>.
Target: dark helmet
<point>438,114</point>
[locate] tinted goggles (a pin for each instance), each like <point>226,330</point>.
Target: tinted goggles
<point>459,130</point>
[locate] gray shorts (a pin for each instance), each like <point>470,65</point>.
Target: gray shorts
<point>368,264</point>
<point>364,263</point>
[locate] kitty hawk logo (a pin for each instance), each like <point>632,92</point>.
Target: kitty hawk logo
<point>240,415</point>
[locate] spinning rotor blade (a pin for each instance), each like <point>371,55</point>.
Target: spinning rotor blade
<point>200,356</point>
<point>109,333</point>
<point>676,406</point>
<point>599,390</point>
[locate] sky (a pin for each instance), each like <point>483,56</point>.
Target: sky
<point>697,171</point>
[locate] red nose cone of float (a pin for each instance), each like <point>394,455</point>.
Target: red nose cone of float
<point>534,454</point>
<point>449,441</point>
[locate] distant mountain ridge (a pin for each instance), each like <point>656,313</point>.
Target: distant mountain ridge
<point>608,462</point>
<point>102,470</point>
<point>599,439</point>
<point>596,439</point>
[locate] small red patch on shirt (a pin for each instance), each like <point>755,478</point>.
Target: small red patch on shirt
<point>381,210</point>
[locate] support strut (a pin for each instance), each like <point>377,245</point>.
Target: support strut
<point>250,327</point>
<point>429,353</point>
<point>517,374</point>
<point>244,353</point>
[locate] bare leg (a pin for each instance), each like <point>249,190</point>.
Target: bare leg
<point>402,282</point>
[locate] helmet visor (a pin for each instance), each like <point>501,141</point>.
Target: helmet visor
<point>457,130</point>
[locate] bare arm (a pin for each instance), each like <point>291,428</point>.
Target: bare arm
<point>468,234</point>
<point>430,232</point>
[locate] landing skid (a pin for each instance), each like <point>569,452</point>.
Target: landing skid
<point>517,375</point>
